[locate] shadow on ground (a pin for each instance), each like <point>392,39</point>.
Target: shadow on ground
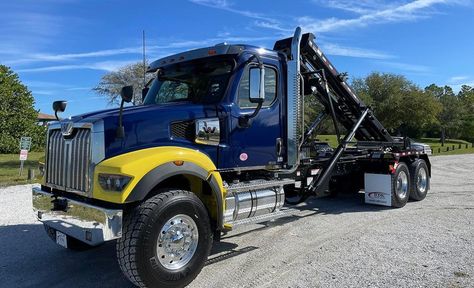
<point>28,258</point>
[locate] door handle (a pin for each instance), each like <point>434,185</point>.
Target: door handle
<point>279,146</point>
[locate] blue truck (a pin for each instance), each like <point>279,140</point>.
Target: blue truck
<point>220,141</point>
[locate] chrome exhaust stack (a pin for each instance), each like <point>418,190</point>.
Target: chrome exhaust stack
<point>294,102</point>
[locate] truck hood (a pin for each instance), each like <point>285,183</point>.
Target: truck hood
<point>146,126</point>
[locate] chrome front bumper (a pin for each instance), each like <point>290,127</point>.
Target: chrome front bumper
<point>90,224</point>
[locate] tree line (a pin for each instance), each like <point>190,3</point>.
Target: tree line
<point>406,109</point>
<point>17,114</point>
<point>403,107</point>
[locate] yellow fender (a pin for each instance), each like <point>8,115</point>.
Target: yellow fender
<point>148,167</point>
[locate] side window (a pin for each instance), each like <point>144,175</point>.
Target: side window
<point>270,88</point>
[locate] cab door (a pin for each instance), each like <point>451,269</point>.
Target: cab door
<point>258,144</point>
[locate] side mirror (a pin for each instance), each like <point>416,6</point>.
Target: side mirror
<point>257,84</point>
<point>144,92</point>
<point>127,93</point>
<point>59,106</point>
<point>257,94</point>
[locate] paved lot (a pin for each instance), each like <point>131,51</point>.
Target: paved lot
<point>329,243</point>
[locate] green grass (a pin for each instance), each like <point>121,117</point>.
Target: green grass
<point>433,142</point>
<point>451,144</point>
<point>10,168</point>
<point>331,139</point>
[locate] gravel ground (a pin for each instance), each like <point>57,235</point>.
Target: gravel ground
<point>328,243</point>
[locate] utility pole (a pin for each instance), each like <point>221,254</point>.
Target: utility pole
<point>144,61</point>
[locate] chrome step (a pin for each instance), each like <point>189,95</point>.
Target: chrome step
<point>257,185</point>
<point>284,212</point>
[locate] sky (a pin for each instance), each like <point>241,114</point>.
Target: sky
<point>61,48</point>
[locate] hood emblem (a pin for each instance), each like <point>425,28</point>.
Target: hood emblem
<point>66,128</point>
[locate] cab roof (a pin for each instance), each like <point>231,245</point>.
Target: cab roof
<point>219,49</point>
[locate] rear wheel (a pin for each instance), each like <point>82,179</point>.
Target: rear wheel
<point>400,185</point>
<point>420,180</point>
<point>165,240</point>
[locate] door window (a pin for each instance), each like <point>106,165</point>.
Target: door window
<point>270,88</point>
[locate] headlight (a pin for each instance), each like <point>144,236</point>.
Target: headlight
<point>112,182</point>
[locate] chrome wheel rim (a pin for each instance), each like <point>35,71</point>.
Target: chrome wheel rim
<point>402,185</point>
<point>421,180</point>
<point>177,242</point>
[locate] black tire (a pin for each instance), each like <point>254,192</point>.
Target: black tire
<point>420,180</point>
<point>72,243</point>
<point>400,185</point>
<point>137,248</point>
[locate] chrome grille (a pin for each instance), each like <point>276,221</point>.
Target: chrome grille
<point>68,160</point>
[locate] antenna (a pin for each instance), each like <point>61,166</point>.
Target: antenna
<point>144,61</point>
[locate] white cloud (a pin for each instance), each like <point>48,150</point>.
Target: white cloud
<point>225,5</point>
<point>155,50</point>
<point>103,66</point>
<point>456,82</point>
<point>263,20</point>
<point>43,84</point>
<point>43,92</point>
<point>78,88</point>
<point>457,79</point>
<point>358,7</point>
<point>271,25</point>
<point>23,30</point>
<point>405,12</point>
<point>407,67</point>
<point>334,49</point>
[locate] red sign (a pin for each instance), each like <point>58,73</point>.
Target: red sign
<point>23,154</point>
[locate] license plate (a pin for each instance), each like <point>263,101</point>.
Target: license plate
<point>61,239</point>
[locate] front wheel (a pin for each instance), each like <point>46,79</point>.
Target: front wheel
<point>165,240</point>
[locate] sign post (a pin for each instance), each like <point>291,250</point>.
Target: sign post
<point>25,145</point>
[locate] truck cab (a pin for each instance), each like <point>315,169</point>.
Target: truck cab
<point>220,86</point>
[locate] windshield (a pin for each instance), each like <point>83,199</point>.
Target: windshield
<point>197,81</point>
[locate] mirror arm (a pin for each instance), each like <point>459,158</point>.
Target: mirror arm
<point>56,114</point>
<point>244,120</point>
<point>120,128</point>
<point>257,109</point>
<point>259,60</point>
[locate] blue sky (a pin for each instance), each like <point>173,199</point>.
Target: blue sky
<point>61,48</point>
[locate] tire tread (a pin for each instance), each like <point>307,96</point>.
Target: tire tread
<point>127,245</point>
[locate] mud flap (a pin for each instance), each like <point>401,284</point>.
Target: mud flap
<point>378,189</point>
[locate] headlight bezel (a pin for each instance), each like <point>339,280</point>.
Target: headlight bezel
<point>113,182</point>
